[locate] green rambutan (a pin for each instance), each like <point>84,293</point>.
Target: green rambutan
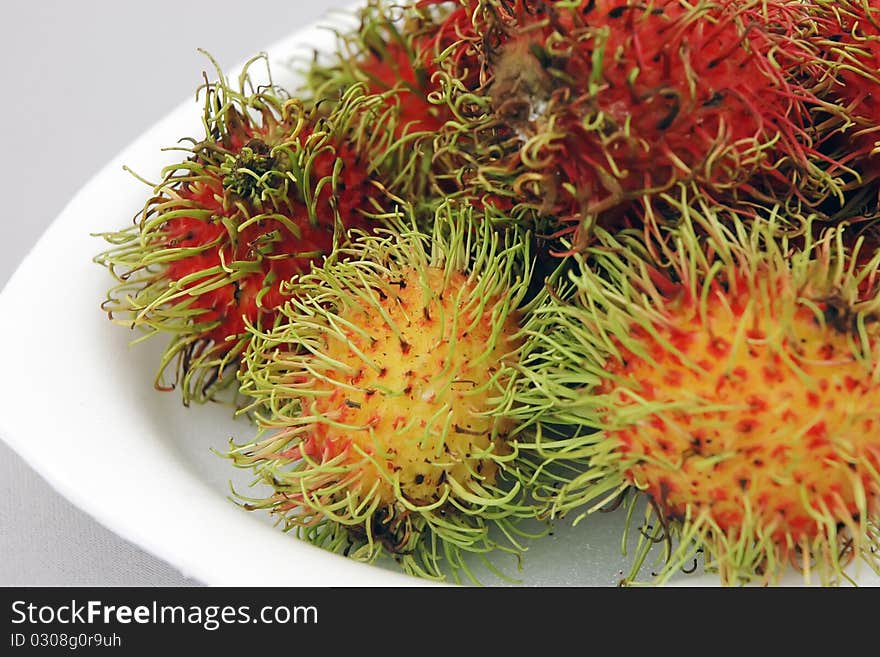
<point>728,375</point>
<point>588,110</point>
<point>376,395</point>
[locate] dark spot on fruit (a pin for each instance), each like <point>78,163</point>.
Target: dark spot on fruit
<point>757,404</point>
<point>618,11</point>
<point>746,426</point>
<point>664,492</point>
<point>714,99</point>
<point>674,108</point>
<point>719,347</point>
<point>467,432</point>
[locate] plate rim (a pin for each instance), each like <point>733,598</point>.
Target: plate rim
<point>332,569</point>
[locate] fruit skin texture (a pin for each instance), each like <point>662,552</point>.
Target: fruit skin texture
<point>391,54</point>
<point>848,34</point>
<point>399,419</point>
<point>266,192</point>
<point>379,388</point>
<point>584,110</point>
<point>731,378</point>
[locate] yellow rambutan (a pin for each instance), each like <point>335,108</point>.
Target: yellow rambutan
<point>731,375</point>
<point>376,395</point>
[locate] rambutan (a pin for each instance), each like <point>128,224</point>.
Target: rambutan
<point>847,32</point>
<point>391,54</point>
<point>730,378</point>
<point>262,196</point>
<point>376,395</point>
<point>588,108</point>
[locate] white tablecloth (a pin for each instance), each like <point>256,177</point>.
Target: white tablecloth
<point>81,80</point>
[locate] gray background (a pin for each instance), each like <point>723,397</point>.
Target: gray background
<point>78,82</point>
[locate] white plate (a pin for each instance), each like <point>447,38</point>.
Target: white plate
<point>77,403</point>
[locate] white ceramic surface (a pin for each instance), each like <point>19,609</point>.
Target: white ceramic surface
<point>77,403</point>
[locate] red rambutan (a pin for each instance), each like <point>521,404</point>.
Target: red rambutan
<point>261,197</point>
<point>391,54</point>
<point>586,107</point>
<point>848,34</point>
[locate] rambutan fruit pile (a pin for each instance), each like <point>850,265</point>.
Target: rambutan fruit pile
<point>495,266</point>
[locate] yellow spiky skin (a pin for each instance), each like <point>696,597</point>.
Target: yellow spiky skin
<point>729,374</point>
<point>378,394</point>
<point>415,424</point>
<point>779,434</point>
